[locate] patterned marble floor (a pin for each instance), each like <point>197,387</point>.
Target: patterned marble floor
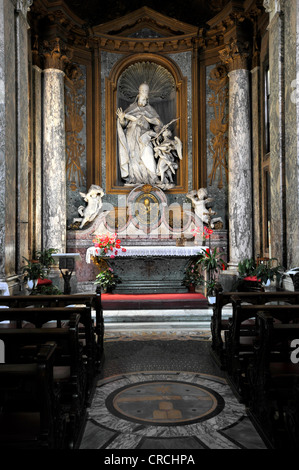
<point>164,392</point>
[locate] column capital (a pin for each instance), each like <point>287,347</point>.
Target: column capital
<point>23,6</point>
<point>55,54</point>
<point>235,55</point>
<point>273,6</point>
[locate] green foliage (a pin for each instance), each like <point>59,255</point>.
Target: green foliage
<point>33,270</point>
<point>211,261</point>
<point>247,267</point>
<point>48,290</point>
<point>266,271</point>
<point>45,257</point>
<point>193,275</point>
<point>107,279</point>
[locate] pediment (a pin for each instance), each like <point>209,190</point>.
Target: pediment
<point>145,22</point>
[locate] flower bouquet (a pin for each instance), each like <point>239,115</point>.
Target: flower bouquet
<point>107,245</point>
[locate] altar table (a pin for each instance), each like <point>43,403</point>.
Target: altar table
<point>150,269</point>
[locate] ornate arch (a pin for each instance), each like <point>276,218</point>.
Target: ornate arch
<point>180,91</point>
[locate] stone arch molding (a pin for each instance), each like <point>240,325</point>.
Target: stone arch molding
<point>157,70</point>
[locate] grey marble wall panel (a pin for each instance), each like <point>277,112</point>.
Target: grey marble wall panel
<point>7,141</point>
<point>54,175</point>
<point>276,136</point>
<point>219,196</point>
<point>291,35</point>
<point>184,62</point>
<point>239,166</point>
<point>108,60</point>
<point>22,136</point>
<point>76,139</point>
<point>37,153</point>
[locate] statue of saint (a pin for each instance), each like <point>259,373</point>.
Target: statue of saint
<point>136,128</point>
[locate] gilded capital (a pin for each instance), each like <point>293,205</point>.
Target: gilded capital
<point>235,55</point>
<point>55,54</point>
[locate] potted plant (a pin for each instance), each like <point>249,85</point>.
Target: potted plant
<point>192,277</point>
<point>45,258</point>
<point>33,271</point>
<point>266,272</point>
<point>211,262</point>
<point>107,280</point>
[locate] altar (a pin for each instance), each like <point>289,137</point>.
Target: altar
<point>150,269</point>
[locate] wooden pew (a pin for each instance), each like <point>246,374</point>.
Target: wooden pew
<point>70,368</point>
<point>30,409</point>
<point>241,334</point>
<point>219,325</point>
<point>273,379</point>
<point>90,301</point>
<point>57,316</point>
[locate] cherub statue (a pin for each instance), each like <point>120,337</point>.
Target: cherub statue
<point>199,200</point>
<point>94,204</point>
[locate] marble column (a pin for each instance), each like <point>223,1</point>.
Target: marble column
<point>277,130</point>
<point>291,99</point>
<point>239,161</point>
<point>54,162</point>
<point>13,138</point>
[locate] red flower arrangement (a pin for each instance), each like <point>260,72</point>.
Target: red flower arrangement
<point>107,245</point>
<point>206,233</point>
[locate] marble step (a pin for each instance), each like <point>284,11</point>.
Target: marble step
<point>181,317</point>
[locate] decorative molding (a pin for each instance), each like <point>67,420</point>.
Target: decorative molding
<point>74,100</point>
<point>55,54</point>
<point>235,55</point>
<point>218,83</point>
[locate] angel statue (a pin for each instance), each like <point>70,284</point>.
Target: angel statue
<point>94,204</point>
<point>166,151</point>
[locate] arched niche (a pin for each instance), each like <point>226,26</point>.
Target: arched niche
<point>168,94</point>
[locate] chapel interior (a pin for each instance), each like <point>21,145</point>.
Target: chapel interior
<point>171,129</point>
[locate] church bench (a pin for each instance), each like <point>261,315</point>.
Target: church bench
<point>219,325</point>
<point>89,301</point>
<point>70,372</point>
<point>47,317</point>
<point>31,416</point>
<point>241,334</point>
<point>273,381</point>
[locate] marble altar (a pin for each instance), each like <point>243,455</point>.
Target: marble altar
<point>150,269</point>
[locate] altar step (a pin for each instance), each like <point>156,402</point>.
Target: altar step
<point>159,319</point>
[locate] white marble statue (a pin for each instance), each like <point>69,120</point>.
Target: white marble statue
<point>199,200</point>
<point>135,127</point>
<point>166,151</point>
<point>147,154</point>
<point>94,204</point>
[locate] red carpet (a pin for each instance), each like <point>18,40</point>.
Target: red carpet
<point>153,301</point>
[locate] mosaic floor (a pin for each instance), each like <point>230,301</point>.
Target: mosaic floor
<point>165,392</point>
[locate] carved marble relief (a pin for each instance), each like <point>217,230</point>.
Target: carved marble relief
<point>219,124</point>
<point>74,123</point>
